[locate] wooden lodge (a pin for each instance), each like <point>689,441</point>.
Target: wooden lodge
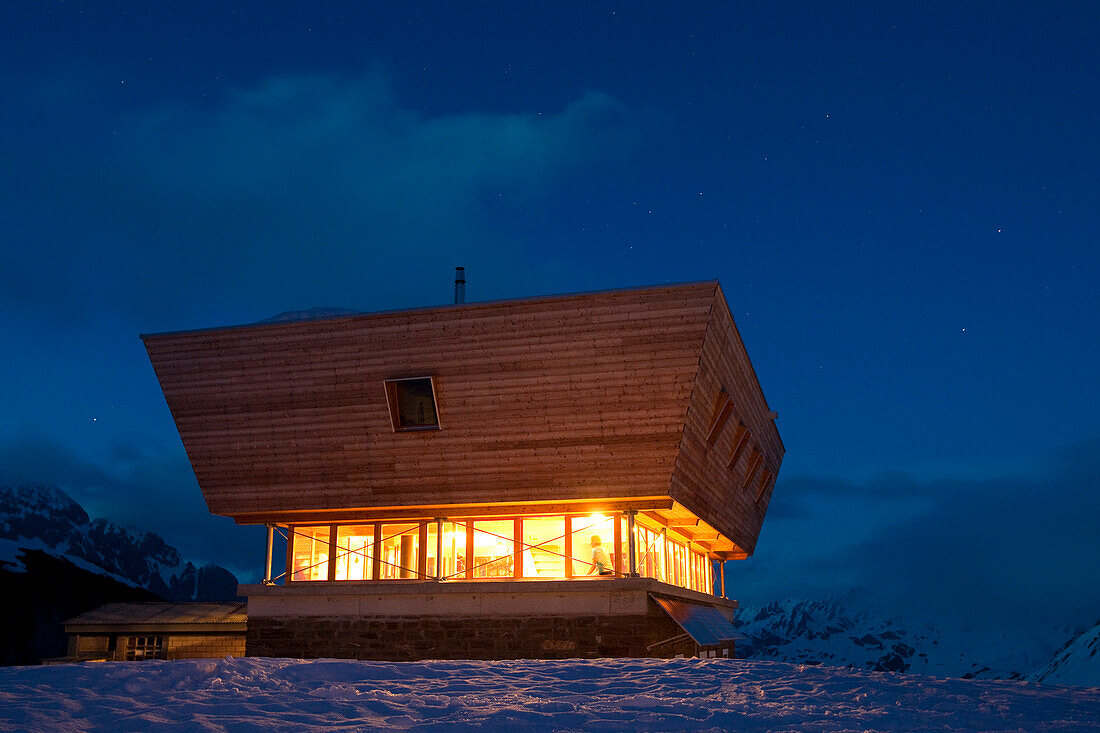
<point>134,632</point>
<point>545,477</point>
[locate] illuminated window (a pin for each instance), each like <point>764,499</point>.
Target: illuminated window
<point>144,647</point>
<point>453,563</point>
<point>399,552</point>
<point>544,548</point>
<point>310,553</point>
<point>355,552</point>
<point>624,546</point>
<point>455,543</point>
<point>650,546</point>
<point>412,404</point>
<point>589,533</point>
<point>494,549</point>
<point>547,547</point>
<point>678,564</point>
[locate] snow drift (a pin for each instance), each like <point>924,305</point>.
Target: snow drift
<point>603,695</point>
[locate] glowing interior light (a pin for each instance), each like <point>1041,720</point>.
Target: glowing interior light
<point>596,517</point>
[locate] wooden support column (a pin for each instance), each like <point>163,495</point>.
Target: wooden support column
<point>469,548</point>
<point>422,552</point>
<point>517,545</point>
<point>722,577</point>
<point>631,549</point>
<point>332,548</point>
<point>568,546</point>
<point>439,548</point>
<point>267,555</point>
<point>376,556</point>
<point>289,553</point>
<point>664,555</point>
<point>617,558</point>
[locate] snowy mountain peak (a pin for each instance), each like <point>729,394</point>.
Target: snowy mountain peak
<point>37,510</point>
<point>850,631</point>
<point>1076,663</point>
<point>310,314</point>
<point>48,519</point>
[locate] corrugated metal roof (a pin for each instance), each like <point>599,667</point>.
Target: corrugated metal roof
<point>164,613</point>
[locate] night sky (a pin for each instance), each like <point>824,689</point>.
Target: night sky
<point>899,200</point>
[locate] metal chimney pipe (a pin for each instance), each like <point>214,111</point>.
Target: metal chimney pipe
<point>460,285</point>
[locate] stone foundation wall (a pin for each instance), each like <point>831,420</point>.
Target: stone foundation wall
<point>484,637</point>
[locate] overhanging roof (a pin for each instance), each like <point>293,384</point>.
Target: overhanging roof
<point>575,398</point>
<point>161,617</point>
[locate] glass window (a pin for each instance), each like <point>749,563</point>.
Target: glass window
<point>431,549</point>
<point>144,647</point>
<point>310,553</point>
<point>544,547</point>
<point>682,565</point>
<point>593,544</point>
<point>453,564</point>
<point>399,551</point>
<point>355,552</point>
<point>494,549</point>
<point>454,550</point>
<point>412,404</point>
<point>650,547</point>
<point>677,574</point>
<point>489,548</point>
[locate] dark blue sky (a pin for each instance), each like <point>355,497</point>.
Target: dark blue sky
<point>898,199</point>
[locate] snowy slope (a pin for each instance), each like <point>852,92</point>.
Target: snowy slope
<point>1077,663</point>
<point>38,518</point>
<point>13,558</point>
<point>596,695</point>
<point>849,631</point>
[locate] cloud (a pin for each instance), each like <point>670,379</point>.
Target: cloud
<point>36,460</point>
<point>302,190</point>
<point>1002,552</point>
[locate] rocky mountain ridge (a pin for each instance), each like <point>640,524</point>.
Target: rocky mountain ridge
<point>46,519</point>
<point>851,631</point>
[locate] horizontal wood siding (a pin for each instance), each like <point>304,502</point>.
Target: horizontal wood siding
<point>575,397</point>
<point>704,481</point>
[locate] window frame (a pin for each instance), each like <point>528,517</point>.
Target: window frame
<point>148,646</point>
<point>682,564</point>
<point>390,387</point>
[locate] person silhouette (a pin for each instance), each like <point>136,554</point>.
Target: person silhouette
<point>601,563</point>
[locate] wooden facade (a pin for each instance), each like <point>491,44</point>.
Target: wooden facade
<point>639,399</point>
<point>140,631</point>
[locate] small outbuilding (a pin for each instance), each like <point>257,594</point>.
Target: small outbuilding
<point>133,632</point>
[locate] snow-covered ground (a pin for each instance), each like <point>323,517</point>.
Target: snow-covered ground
<point>600,695</point>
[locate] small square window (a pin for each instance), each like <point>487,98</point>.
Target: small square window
<point>412,404</point>
<point>139,648</point>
